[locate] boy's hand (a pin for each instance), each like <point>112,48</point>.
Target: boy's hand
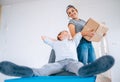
<point>43,37</point>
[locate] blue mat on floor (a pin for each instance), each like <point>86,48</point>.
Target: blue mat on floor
<point>53,79</point>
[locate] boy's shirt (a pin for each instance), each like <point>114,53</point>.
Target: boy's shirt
<point>66,48</point>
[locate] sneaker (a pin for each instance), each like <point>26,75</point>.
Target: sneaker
<point>11,69</point>
<point>100,65</point>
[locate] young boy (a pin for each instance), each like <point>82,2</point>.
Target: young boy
<point>66,59</point>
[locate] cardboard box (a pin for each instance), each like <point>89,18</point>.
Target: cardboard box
<point>98,28</point>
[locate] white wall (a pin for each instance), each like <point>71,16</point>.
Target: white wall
<point>22,26</point>
<point>24,23</point>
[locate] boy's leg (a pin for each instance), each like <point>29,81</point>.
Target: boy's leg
<point>100,65</point>
<point>11,69</point>
<point>73,66</point>
<point>48,69</point>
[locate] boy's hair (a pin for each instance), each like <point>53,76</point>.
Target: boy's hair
<point>71,6</point>
<point>60,34</point>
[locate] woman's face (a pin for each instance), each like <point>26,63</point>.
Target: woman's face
<point>72,13</point>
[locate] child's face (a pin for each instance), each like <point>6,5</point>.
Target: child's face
<point>63,35</point>
<point>73,13</point>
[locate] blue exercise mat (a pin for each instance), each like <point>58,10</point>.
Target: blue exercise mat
<point>53,79</point>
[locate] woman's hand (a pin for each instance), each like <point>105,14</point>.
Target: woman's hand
<point>89,33</point>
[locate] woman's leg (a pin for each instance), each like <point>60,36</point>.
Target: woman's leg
<point>91,54</point>
<point>82,51</point>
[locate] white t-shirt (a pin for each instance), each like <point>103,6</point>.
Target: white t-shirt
<point>66,48</point>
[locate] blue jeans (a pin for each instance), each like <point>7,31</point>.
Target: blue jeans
<point>86,53</point>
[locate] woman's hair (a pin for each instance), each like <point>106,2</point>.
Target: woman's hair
<point>71,6</point>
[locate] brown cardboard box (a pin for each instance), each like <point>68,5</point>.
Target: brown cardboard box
<point>98,28</point>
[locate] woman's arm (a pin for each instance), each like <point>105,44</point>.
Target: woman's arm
<point>89,33</point>
<point>72,29</point>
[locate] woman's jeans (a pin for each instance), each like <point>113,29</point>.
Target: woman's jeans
<point>86,53</point>
<point>52,68</point>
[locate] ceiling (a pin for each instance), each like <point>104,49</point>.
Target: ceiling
<point>9,2</point>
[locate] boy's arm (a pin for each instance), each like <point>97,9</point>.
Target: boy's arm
<point>77,38</point>
<point>48,40</point>
<point>79,35</point>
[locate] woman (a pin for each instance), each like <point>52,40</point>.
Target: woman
<point>85,50</point>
